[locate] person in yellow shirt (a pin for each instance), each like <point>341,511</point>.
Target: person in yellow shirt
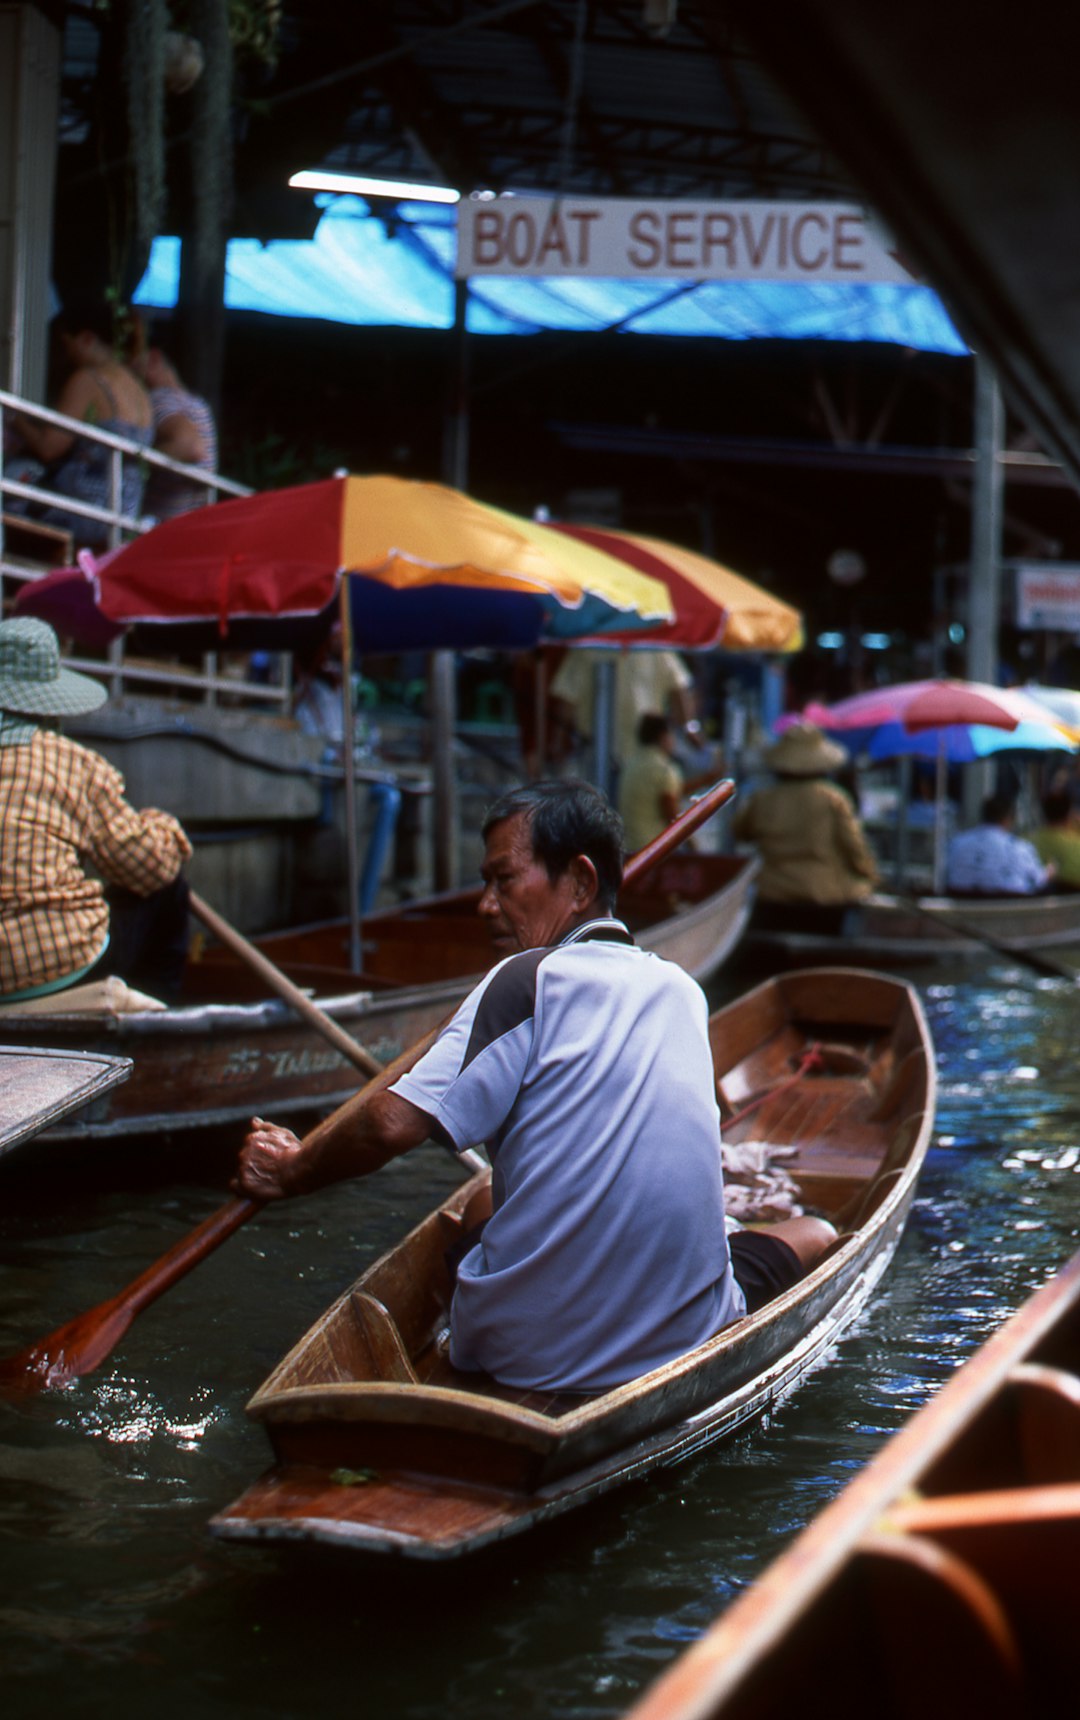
<point>651,783</point>
<point>1057,841</point>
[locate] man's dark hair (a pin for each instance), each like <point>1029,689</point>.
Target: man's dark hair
<point>567,818</point>
<point>997,808</point>
<point>652,728</point>
<point>1056,805</point>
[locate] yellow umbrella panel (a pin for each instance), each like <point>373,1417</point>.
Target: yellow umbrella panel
<point>410,535</point>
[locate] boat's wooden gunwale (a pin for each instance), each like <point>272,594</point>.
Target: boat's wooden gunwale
<point>890,933</point>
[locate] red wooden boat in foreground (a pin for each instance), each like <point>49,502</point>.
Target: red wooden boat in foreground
<point>945,1579</point>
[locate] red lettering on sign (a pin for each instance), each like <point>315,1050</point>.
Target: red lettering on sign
<point>843,240</point>
<point>520,238</point>
<point>554,239</point>
<point>584,219</point>
<point>798,228</point>
<point>487,237</point>
<point>718,235</point>
<point>643,228</point>
<point>679,236</point>
<point>757,248</point>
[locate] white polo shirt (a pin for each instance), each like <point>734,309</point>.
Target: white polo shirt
<point>586,1070</point>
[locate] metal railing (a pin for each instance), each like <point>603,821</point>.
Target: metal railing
<point>119,528</point>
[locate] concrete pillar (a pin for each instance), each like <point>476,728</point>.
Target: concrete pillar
<point>30,56</point>
<point>984,584</point>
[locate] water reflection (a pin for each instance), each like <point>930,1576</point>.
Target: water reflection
<point>116,1597</point>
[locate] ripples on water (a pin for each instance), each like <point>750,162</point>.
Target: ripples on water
<point>115,1601</point>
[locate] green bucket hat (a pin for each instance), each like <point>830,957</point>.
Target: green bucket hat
<point>31,679</point>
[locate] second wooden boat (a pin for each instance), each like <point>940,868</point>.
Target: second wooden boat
<point>227,1053</point>
<point>890,931</point>
<point>382,1446</point>
<point>945,1578</point>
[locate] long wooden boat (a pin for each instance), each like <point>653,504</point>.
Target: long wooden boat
<point>891,931</point>
<point>945,1579</point>
<point>227,1052</point>
<point>381,1446</point>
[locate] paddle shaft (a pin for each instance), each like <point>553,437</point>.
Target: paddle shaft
<point>84,1342</point>
<point>1001,946</point>
<point>280,983</point>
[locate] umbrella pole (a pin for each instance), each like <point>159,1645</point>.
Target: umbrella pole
<point>348,767</point>
<point>444,725</point>
<point>939,817</point>
<point>539,714</point>
<point>902,820</point>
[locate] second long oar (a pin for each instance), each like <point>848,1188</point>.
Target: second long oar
<point>83,1343</point>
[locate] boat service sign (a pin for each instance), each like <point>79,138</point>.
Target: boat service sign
<point>1048,595</point>
<point>624,239</point>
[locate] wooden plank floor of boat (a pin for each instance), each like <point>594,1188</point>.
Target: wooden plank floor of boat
<point>294,1501</point>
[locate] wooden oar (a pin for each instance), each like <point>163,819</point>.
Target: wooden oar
<point>279,982</point>
<point>1001,946</point>
<point>83,1343</point>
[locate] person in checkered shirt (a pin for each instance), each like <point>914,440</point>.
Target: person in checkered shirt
<point>62,807</point>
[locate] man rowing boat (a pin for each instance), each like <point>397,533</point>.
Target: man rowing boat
<point>583,1063</point>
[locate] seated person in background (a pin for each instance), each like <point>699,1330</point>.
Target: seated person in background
<point>644,681</point>
<point>815,860</point>
<point>103,392</point>
<point>989,860</point>
<point>652,784</point>
<point>583,1063</point>
<point>184,429</point>
<point>1057,842</point>
<point>59,803</point>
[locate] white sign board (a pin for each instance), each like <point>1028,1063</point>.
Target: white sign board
<point>1048,596</point>
<point>624,239</point>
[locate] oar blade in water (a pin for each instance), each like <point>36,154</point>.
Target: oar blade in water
<point>83,1343</point>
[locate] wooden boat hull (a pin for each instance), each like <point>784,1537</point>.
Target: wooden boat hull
<point>961,1536</point>
<point>378,1443</point>
<point>886,931</point>
<point>230,1055</point>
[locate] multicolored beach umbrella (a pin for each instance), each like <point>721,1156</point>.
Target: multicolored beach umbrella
<point>429,568</point>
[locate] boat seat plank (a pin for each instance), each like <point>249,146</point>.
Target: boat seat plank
<point>390,1360</point>
<point>906,1083</point>
<point>921,1593</point>
<point>437,1370</point>
<point>852,1647</point>
<point>1027,1435</point>
<point>1024,1543</point>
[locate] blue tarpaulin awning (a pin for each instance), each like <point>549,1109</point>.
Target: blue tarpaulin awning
<point>372,269</point>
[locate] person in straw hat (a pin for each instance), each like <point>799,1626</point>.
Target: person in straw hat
<point>815,862</point>
<point>61,804</point>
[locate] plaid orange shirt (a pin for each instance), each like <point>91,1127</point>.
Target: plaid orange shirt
<point>59,803</point>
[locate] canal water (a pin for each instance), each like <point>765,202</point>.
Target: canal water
<point>113,1600</point>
